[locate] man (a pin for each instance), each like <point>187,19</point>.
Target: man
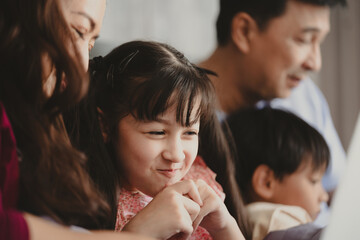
<point>265,51</point>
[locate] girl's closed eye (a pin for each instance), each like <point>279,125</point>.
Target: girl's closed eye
<point>156,133</point>
<point>191,133</point>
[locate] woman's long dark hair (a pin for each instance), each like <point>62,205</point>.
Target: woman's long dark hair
<point>53,179</point>
<point>145,79</point>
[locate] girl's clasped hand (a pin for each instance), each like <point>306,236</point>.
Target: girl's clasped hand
<point>180,209</point>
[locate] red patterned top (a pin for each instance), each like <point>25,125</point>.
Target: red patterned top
<point>130,203</point>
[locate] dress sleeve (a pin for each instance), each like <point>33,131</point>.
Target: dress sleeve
<point>199,170</point>
<point>12,222</point>
<point>12,225</point>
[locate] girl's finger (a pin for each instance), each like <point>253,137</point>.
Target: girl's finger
<point>188,188</point>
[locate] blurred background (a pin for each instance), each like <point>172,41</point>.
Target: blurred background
<point>189,26</point>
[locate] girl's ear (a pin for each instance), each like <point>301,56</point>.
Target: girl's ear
<point>263,182</point>
<point>243,28</point>
<point>103,129</point>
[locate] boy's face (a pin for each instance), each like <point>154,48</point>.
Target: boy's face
<point>287,49</point>
<point>303,188</point>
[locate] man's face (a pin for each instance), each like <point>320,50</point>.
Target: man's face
<point>287,49</point>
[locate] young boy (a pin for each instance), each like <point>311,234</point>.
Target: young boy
<point>280,163</point>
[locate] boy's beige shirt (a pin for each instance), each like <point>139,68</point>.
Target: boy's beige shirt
<point>266,217</point>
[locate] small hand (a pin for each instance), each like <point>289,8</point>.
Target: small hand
<point>214,216</point>
<point>171,212</point>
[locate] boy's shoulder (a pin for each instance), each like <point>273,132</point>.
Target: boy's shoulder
<point>266,217</point>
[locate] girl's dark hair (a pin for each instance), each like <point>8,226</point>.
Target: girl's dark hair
<point>53,178</point>
<point>276,138</point>
<point>145,79</point>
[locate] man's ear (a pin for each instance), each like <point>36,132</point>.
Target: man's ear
<point>263,182</point>
<point>103,129</point>
<point>243,28</point>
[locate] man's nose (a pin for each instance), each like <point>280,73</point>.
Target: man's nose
<point>313,60</point>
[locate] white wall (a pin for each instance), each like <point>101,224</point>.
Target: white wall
<point>188,25</point>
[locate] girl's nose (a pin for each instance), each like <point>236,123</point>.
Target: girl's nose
<point>174,151</point>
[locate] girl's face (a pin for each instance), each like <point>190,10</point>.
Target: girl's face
<point>155,154</point>
<point>84,19</point>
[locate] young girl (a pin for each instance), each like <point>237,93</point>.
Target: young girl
<point>281,161</point>
<point>157,112</point>
<point>44,48</point>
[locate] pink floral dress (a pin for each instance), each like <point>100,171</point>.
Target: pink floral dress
<point>130,203</point>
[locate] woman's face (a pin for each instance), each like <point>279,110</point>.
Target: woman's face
<point>84,19</point>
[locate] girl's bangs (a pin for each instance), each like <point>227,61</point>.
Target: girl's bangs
<point>185,93</point>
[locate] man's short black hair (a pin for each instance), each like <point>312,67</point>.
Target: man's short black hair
<point>261,10</point>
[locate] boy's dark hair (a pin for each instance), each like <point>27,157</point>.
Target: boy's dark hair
<point>261,10</point>
<point>276,138</point>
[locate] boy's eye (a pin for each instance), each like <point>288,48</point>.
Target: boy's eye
<point>314,181</point>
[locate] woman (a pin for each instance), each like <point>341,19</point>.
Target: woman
<point>44,46</point>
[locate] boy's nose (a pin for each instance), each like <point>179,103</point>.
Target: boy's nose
<point>324,195</point>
